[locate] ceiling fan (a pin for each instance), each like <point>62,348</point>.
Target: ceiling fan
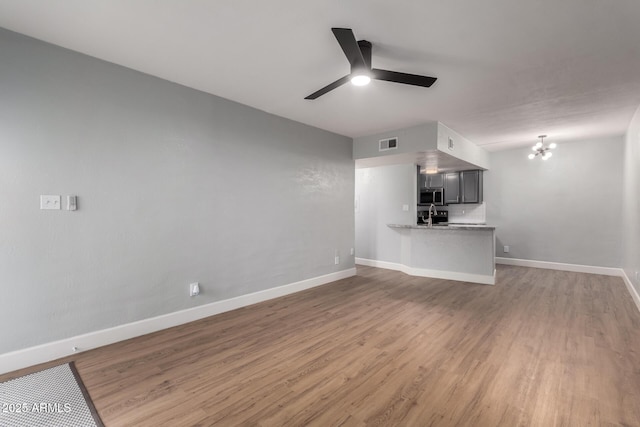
<point>358,54</point>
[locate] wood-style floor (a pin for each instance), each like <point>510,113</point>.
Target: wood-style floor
<point>541,348</point>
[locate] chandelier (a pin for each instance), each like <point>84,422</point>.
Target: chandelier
<point>542,150</point>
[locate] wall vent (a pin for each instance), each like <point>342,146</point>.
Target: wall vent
<point>388,144</point>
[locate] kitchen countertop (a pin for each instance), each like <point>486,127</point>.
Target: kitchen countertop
<point>444,227</point>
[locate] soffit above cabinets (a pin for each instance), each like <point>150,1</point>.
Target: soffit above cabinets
<point>432,145</point>
<point>437,161</point>
<point>429,161</point>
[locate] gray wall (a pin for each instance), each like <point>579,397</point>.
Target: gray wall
<point>411,140</point>
<point>463,149</point>
<point>174,186</point>
<point>566,209</point>
<point>631,202</point>
<point>380,193</point>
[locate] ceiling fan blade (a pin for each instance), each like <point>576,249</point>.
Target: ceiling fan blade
<point>350,47</point>
<point>365,49</point>
<point>408,79</point>
<point>329,87</point>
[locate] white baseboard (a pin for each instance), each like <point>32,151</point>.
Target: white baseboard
<point>380,264</point>
<point>606,271</point>
<point>54,350</point>
<point>435,274</point>
<point>631,289</point>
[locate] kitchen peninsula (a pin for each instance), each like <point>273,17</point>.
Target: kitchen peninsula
<point>455,252</point>
<point>400,176</point>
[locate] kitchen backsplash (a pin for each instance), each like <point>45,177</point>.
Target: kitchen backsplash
<point>468,213</point>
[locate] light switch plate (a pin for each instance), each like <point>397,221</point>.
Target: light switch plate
<point>50,202</point>
<point>405,208</point>
<point>194,289</point>
<point>72,203</point>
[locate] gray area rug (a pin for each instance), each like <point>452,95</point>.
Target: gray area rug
<point>50,398</point>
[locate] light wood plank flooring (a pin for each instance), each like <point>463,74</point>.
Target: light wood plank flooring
<point>541,348</point>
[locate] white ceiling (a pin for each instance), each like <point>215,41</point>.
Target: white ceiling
<point>507,70</point>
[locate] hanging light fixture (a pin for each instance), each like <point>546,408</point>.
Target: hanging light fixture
<point>542,150</point>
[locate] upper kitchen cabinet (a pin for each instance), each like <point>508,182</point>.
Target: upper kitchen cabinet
<point>452,188</point>
<point>471,186</point>
<point>463,187</point>
<point>435,180</point>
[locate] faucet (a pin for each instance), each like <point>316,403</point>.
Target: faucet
<point>435,212</point>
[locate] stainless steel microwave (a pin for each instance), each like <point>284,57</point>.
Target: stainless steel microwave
<point>431,195</point>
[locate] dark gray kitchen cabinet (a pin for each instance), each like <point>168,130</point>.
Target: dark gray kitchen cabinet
<point>471,186</point>
<point>431,180</point>
<point>463,187</point>
<point>452,187</point>
<point>435,180</point>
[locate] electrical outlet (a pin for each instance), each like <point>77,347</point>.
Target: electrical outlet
<point>194,289</point>
<point>353,251</point>
<point>506,249</point>
<point>49,202</point>
<point>336,257</point>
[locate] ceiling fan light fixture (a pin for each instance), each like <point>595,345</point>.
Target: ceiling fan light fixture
<point>532,156</point>
<point>553,145</point>
<point>360,80</point>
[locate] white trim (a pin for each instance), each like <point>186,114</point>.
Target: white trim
<point>380,264</point>
<point>453,275</point>
<point>54,350</point>
<point>606,271</point>
<point>631,289</point>
<point>435,274</point>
